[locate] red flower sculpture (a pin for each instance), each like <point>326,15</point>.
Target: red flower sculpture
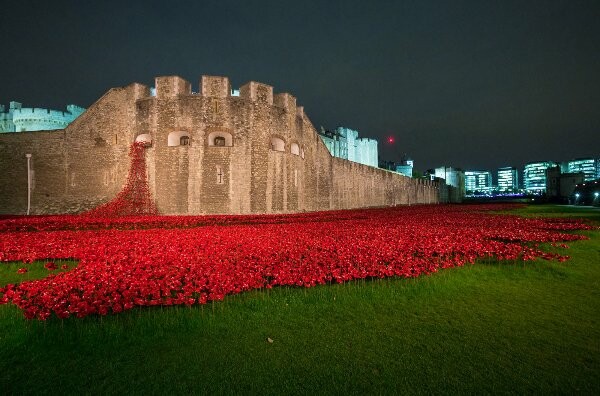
<point>135,198</point>
<point>148,260</point>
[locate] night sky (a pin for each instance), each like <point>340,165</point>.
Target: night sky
<point>471,84</point>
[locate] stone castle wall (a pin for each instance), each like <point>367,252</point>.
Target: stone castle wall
<point>25,119</point>
<point>86,164</point>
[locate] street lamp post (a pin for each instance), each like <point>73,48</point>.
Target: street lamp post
<point>28,183</point>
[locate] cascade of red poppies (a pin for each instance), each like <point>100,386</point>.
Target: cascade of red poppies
<point>135,198</point>
<point>131,261</point>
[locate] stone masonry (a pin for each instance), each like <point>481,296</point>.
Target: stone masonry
<point>207,153</point>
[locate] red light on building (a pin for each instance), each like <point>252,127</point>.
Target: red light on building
<point>391,140</point>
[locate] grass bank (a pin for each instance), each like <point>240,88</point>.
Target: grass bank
<point>487,328</point>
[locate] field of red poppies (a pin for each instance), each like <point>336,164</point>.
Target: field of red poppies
<point>132,261</point>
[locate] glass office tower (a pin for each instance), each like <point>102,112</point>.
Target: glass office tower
<point>508,179</point>
<point>588,166</point>
<point>478,182</point>
<point>534,176</point>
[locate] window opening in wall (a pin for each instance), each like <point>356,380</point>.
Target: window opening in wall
<point>220,141</point>
<point>176,139</point>
<point>220,175</point>
<point>184,141</point>
<point>145,138</point>
<point>220,138</point>
<point>277,144</point>
<point>295,149</point>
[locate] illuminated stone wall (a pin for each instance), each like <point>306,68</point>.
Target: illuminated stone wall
<point>210,153</point>
<point>344,143</point>
<point>23,119</point>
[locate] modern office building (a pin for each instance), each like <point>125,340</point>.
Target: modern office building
<point>589,166</point>
<point>478,182</point>
<point>534,176</point>
<point>508,179</point>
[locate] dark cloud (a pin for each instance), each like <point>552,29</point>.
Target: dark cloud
<point>464,83</point>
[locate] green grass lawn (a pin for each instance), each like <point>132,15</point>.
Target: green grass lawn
<point>487,328</point>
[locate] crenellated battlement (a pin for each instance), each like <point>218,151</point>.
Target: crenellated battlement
<point>208,150</point>
<point>257,92</point>
<point>285,101</point>
<point>215,86</point>
<point>220,87</point>
<point>171,86</point>
<point>367,140</point>
<point>41,113</point>
<point>75,110</point>
<point>22,119</point>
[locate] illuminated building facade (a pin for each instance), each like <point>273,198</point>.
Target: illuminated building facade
<point>208,152</point>
<point>345,143</point>
<point>405,166</point>
<point>477,182</point>
<point>534,176</point>
<point>24,119</point>
<point>454,177</point>
<point>589,166</point>
<point>508,179</point>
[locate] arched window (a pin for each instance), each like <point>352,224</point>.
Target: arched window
<point>277,144</point>
<point>295,149</point>
<point>220,139</point>
<point>177,139</point>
